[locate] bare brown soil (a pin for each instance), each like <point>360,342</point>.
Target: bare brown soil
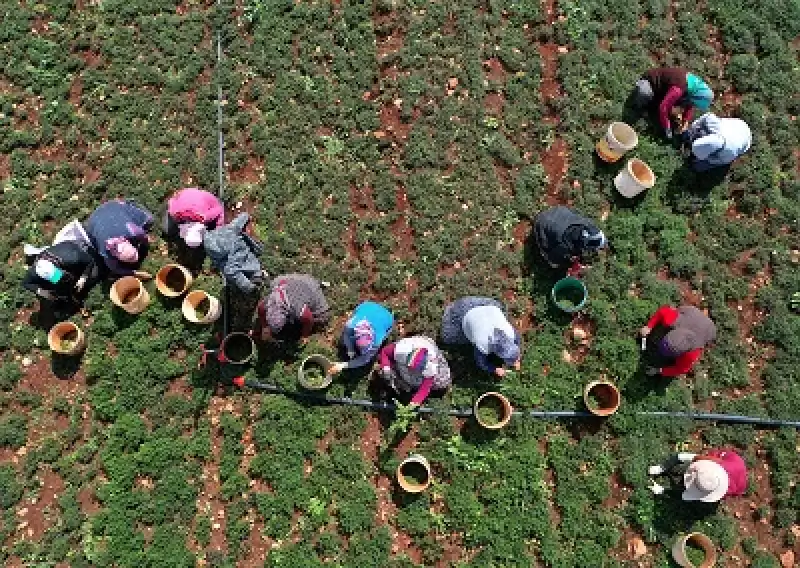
<point>494,69</point>
<point>401,228</point>
<point>549,87</point>
<point>392,124</point>
<point>208,501</point>
<point>251,172</point>
<point>36,515</point>
<point>493,103</point>
<point>554,161</point>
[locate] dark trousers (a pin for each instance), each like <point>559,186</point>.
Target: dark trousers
<point>673,473</point>
<point>653,357</point>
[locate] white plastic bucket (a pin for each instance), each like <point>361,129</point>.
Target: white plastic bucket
<point>129,294</point>
<point>194,299</point>
<point>619,138</point>
<point>182,280</point>
<point>409,484</point>
<point>66,338</point>
<point>699,540</point>
<point>634,178</point>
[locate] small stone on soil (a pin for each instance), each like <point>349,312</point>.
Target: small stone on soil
<point>637,547</point>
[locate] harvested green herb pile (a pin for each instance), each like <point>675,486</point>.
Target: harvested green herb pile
<point>490,411</point>
<point>695,554</point>
<point>202,308</point>
<point>315,375</point>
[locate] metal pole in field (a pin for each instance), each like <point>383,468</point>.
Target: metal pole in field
<point>226,301</point>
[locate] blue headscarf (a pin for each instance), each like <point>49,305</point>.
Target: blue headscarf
<point>698,92</point>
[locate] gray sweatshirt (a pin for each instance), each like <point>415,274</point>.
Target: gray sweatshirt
<point>234,253</point>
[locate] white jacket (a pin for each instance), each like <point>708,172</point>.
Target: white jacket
<point>719,141</point>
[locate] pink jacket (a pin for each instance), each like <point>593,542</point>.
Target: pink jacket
<point>672,98</point>
<point>193,204</point>
<point>734,465</point>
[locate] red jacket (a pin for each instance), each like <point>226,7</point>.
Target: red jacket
<point>733,465</point>
<point>666,315</point>
<point>669,87</point>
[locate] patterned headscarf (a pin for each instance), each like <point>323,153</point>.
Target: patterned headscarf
<point>277,308</point>
<point>417,359</point>
<point>364,335</point>
<point>122,249</point>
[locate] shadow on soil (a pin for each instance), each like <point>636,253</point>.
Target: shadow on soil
<point>65,366</point>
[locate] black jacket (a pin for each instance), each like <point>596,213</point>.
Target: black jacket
<point>558,232</point>
<point>82,270</point>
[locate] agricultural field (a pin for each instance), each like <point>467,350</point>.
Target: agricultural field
<point>398,149</point>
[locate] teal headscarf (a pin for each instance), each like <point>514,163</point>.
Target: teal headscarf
<point>698,92</point>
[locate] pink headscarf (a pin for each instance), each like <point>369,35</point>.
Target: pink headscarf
<point>122,249</point>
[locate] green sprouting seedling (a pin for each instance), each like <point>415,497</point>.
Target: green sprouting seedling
<point>491,122</point>
<point>333,146</point>
<point>317,508</point>
<point>471,458</point>
<point>404,416</point>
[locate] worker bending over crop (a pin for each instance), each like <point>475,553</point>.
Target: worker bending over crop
<point>482,322</point>
<point>118,231</point>
<point>62,274</point>
<point>674,339</point>
<point>716,142</point>
<point>295,303</point>
<point>363,335</point>
<point>708,477</point>
<point>190,213</point>
<point>235,254</point>
<point>668,87</point>
<point>563,236</point>
<point>414,364</point>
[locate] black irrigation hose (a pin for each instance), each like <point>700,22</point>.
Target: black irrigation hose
<point>730,418</point>
<point>543,414</point>
<point>226,299</point>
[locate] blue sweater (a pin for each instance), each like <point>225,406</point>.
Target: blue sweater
<point>381,320</point>
<point>119,218</point>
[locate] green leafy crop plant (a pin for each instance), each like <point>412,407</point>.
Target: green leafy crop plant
<point>398,149</point>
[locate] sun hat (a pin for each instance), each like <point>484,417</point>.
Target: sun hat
<point>364,334</point>
<point>192,233</point>
<point>417,359</point>
<point>46,270</point>
<point>705,481</point>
